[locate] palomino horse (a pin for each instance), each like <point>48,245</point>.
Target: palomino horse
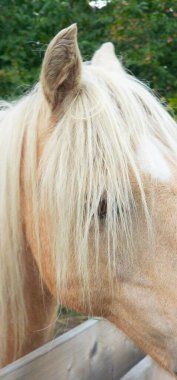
<point>88,211</point>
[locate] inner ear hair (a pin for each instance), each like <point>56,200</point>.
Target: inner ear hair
<point>61,68</point>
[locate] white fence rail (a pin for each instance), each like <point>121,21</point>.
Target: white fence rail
<point>95,350</point>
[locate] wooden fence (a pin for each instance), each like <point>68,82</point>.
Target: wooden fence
<point>95,350</point>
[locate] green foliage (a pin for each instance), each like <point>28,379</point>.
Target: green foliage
<point>172,104</point>
<point>63,311</point>
<point>144,33</point>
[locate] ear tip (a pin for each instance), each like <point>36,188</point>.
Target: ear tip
<point>71,30</point>
<point>69,33</point>
<point>73,26</point>
<point>108,46</point>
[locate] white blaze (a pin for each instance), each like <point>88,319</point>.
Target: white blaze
<point>152,160</point>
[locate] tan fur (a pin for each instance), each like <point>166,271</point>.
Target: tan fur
<point>75,142</point>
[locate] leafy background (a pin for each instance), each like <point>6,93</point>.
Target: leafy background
<point>144,34</point>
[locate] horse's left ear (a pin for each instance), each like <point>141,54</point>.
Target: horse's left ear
<point>61,68</point>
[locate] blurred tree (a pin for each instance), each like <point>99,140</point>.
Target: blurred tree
<point>144,33</point>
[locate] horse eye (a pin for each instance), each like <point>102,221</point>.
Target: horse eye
<point>102,209</point>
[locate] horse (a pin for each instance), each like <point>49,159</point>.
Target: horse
<point>88,211</point>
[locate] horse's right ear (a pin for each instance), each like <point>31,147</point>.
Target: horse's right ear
<point>61,68</point>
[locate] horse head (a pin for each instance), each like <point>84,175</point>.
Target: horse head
<point>98,193</point>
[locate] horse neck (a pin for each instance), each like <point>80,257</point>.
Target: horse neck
<point>41,309</point>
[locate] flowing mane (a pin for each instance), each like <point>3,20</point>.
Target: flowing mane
<point>87,164</point>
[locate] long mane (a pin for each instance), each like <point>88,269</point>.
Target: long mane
<point>88,156</point>
<point>14,122</point>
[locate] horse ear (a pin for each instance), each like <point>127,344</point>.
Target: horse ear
<point>61,68</point>
<point>105,57</point>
